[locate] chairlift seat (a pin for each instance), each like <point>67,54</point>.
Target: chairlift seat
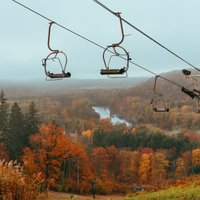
<point>60,75</point>
<point>156,109</point>
<point>112,71</point>
<point>159,105</point>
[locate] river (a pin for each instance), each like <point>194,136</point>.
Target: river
<point>104,113</point>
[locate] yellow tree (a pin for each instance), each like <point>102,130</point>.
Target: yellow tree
<point>49,148</point>
<point>180,168</point>
<point>196,160</point>
<point>159,166</point>
<point>87,137</point>
<point>144,168</point>
<point>196,157</point>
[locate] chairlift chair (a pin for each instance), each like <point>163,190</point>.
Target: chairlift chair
<point>195,92</point>
<point>55,57</point>
<point>115,50</point>
<point>159,104</point>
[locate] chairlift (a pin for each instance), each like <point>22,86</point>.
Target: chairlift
<point>186,72</point>
<point>57,58</point>
<point>159,104</point>
<point>117,51</point>
<point>195,92</point>
<point>194,79</point>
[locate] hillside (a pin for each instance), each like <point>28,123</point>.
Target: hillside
<point>170,91</point>
<point>184,189</point>
<point>137,86</point>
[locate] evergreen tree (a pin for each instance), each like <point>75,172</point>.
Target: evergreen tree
<point>3,114</point>
<point>16,136</point>
<point>32,122</point>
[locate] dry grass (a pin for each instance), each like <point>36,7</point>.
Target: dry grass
<point>14,185</point>
<point>67,196</point>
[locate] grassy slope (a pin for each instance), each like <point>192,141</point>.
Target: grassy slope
<point>187,190</point>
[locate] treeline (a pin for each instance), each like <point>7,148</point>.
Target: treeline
<point>74,110</point>
<point>143,137</point>
<point>16,127</point>
<point>78,106</point>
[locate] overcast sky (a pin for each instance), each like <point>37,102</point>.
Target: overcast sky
<point>23,35</point>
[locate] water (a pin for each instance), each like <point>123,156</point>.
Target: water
<point>104,113</point>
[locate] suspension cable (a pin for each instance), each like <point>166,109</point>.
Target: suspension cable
<point>146,35</point>
<point>96,44</point>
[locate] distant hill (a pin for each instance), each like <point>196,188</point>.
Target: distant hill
<point>169,90</point>
<point>136,86</point>
<point>38,87</point>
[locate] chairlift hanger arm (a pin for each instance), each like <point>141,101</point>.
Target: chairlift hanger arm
<point>49,37</point>
<point>155,84</point>
<point>122,30</point>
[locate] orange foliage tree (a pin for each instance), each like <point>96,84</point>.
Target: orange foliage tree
<point>79,170</point>
<point>128,166</point>
<point>101,162</point>
<point>114,162</point>
<point>196,157</point>
<point>187,158</point>
<point>49,148</point>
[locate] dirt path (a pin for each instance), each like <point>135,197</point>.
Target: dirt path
<point>67,196</point>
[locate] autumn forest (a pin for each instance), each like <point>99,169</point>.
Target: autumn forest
<point>58,142</point>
